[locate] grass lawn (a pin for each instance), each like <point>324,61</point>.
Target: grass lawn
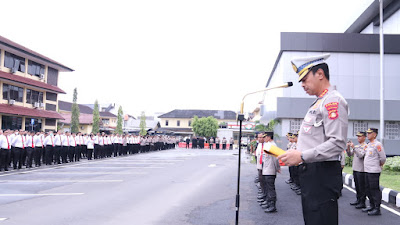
<point>388,179</point>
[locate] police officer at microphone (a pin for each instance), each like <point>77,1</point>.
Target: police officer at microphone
<point>322,138</point>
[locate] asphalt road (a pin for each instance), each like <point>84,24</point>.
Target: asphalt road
<point>167,187</point>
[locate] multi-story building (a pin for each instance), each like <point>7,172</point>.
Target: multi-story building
<point>180,121</point>
<point>108,121</point>
<point>29,87</point>
<point>354,69</point>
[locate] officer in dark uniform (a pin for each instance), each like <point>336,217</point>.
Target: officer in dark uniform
<point>322,139</point>
<point>194,142</point>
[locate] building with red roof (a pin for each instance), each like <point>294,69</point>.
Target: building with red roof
<point>29,88</point>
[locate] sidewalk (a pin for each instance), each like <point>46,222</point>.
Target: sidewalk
<point>388,195</point>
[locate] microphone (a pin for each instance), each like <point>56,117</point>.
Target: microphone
<point>285,85</point>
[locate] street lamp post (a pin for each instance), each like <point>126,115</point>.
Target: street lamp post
<point>240,118</point>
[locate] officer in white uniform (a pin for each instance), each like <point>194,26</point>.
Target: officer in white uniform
<point>322,138</point>
<point>374,160</point>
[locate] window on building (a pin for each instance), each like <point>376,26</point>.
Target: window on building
<point>392,130</point>
<point>359,126</point>
<point>33,124</point>
<point>51,107</point>
<point>51,96</point>
<point>295,125</point>
<point>13,62</point>
<point>11,122</point>
<point>189,123</point>
<point>105,121</point>
<point>52,76</point>
<point>178,123</point>
<point>50,122</point>
<point>12,92</point>
<point>166,123</point>
<point>35,68</point>
<point>33,96</point>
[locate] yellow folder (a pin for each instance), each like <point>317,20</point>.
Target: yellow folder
<point>273,150</point>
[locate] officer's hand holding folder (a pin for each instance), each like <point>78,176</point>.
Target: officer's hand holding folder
<point>273,150</point>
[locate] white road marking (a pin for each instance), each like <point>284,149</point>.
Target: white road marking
<point>59,181</point>
<point>91,173</point>
<point>38,194</point>
<point>382,206</point>
<point>139,163</point>
<point>212,165</point>
<point>120,167</point>
<point>2,219</point>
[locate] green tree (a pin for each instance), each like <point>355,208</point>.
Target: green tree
<point>96,118</point>
<point>269,127</point>
<point>75,113</point>
<point>143,130</point>
<point>118,130</point>
<point>205,127</point>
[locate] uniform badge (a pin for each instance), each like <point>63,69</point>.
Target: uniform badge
<point>307,119</point>
<point>379,148</point>
<point>332,108</point>
<point>306,128</point>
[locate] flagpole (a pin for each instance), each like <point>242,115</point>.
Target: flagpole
<point>381,52</point>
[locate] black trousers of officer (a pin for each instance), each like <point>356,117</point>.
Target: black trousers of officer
<point>320,184</point>
<point>89,154</point>
<point>4,158</point>
<point>224,146</point>
<point>269,185</point>
<point>71,153</point>
<point>49,154</point>
<point>96,151</point>
<point>57,154</point>
<point>217,146</point>
<point>17,157</point>
<point>115,149</point>
<point>262,181</point>
<point>372,189</point>
<point>29,155</point>
<point>38,156</point>
<point>64,154</point>
<point>359,180</point>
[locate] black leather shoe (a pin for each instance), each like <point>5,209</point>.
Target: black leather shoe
<point>289,181</point>
<point>355,203</point>
<point>375,212</point>
<point>369,208</point>
<point>266,206</point>
<point>260,200</point>
<point>298,192</point>
<point>360,206</point>
<point>263,203</point>
<point>271,208</point>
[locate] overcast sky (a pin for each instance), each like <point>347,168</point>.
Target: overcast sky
<point>160,55</point>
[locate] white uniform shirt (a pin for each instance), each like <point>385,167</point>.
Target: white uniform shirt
<point>58,140</point>
<point>38,140</point>
<point>5,142</point>
<point>29,141</point>
<point>49,141</point>
<point>72,141</point>
<point>96,140</point>
<point>65,140</point>
<point>90,143</point>
<point>18,141</point>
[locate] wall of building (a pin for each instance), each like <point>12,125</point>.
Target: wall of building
<point>390,25</point>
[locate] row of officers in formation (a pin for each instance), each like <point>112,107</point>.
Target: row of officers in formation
<point>368,160</point>
<point>23,148</point>
<point>217,143</point>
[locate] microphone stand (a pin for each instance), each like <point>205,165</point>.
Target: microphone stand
<point>240,118</point>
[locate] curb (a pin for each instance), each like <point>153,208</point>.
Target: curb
<point>388,195</point>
